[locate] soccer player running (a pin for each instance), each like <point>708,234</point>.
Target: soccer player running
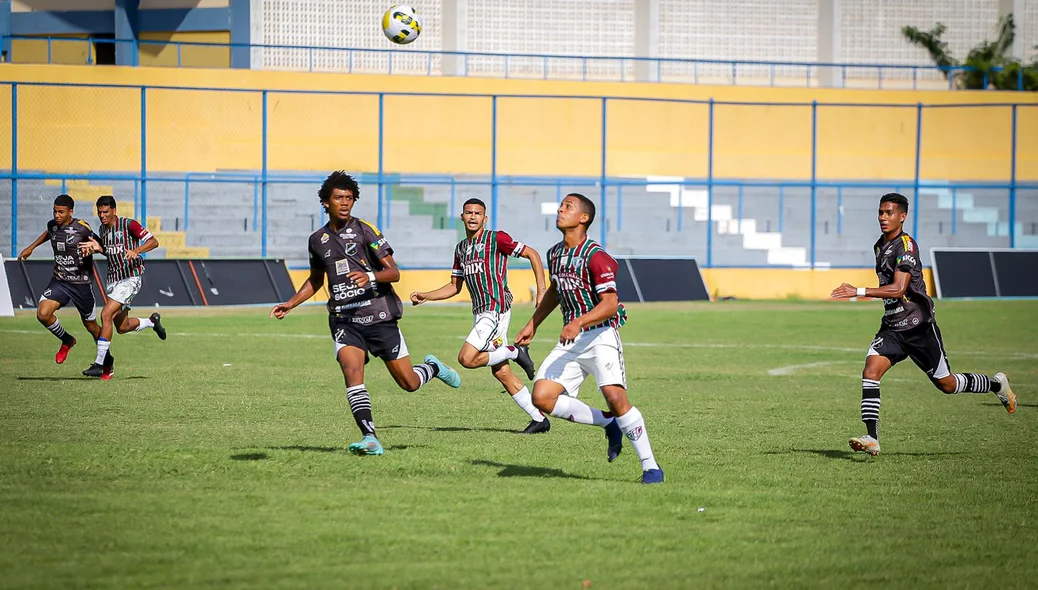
<point>908,328</point>
<point>481,263</point>
<point>363,308</point>
<point>122,242</point>
<point>583,282</point>
<point>70,281</point>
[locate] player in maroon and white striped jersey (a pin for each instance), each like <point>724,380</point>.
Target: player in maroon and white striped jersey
<point>481,264</point>
<point>123,240</point>
<point>583,282</point>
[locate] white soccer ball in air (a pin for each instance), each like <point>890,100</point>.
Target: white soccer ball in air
<point>401,24</point>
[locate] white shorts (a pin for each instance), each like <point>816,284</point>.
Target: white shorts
<point>125,290</point>
<point>597,352</point>
<point>489,330</point>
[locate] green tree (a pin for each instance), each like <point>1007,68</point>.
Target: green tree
<point>988,61</point>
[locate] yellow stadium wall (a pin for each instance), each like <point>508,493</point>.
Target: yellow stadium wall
<point>190,56</point>
<point>741,283</point>
<point>195,130</point>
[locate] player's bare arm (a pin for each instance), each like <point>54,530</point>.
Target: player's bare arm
<point>538,271</point>
<point>147,246</point>
<point>27,252</point>
<point>311,285</point>
<point>91,246</point>
<point>894,290</point>
<point>445,292</point>
<point>547,305</point>
<point>390,273</point>
<point>608,304</point>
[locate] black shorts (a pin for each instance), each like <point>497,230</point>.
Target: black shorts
<point>922,344</point>
<point>81,295</point>
<point>384,339</point>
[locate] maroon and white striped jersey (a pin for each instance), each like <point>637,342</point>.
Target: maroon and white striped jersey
<point>580,276</point>
<point>125,235</point>
<point>483,262</point>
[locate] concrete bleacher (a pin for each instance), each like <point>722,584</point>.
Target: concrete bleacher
<point>224,219</point>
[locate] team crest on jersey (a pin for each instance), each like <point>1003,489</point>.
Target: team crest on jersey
<point>69,239</point>
<point>324,238</point>
<point>479,247</point>
<point>577,263</point>
<point>351,248</point>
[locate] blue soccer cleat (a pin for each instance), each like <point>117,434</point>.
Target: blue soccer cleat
<point>369,445</point>
<point>615,436</point>
<point>652,476</point>
<point>444,373</point>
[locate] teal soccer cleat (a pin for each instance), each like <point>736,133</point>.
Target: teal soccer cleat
<point>368,445</point>
<point>444,373</point>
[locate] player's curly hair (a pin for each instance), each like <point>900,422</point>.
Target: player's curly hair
<point>338,180</point>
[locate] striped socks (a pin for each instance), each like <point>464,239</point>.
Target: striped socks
<point>870,406</point>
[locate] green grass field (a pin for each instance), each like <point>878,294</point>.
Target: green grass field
<point>217,458</point>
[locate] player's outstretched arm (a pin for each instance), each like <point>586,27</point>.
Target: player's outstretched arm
<point>311,285</point>
<point>445,292</point>
<point>27,252</point>
<point>894,290</point>
<point>538,271</point>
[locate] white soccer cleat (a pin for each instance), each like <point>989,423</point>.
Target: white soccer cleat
<point>1005,394</point>
<point>864,444</point>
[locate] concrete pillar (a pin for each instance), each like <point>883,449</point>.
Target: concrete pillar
<point>126,29</point>
<point>241,33</point>
<point>1016,8</point>
<point>454,31</point>
<point>646,39</point>
<point>829,43</point>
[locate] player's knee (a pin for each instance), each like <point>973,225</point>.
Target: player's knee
<point>871,374</point>
<point>43,318</point>
<point>543,400</point>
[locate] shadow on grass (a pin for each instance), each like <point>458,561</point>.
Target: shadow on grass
<point>308,449</point>
<point>451,428</point>
<point>852,456</point>
<point>527,470</point>
<point>76,378</point>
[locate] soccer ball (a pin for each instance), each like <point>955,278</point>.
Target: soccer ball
<point>400,24</point>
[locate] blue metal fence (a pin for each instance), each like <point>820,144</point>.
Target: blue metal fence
<point>615,68</point>
<point>260,181</point>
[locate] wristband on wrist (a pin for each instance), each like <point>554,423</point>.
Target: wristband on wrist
<point>371,278</point>
<point>861,291</point>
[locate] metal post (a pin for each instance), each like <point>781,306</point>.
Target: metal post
<point>709,187</point>
<point>144,156</point>
<point>918,162</point>
<point>602,182</point>
<point>1012,184</point>
<point>381,151</point>
<point>814,178</point>
<point>187,199</point>
<point>14,170</point>
<point>263,173</point>
<point>493,162</point>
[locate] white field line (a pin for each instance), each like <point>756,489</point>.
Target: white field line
<point>704,345</point>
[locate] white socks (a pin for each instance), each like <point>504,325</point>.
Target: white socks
<point>145,323</point>
<point>633,427</point>
<point>575,410</point>
<point>102,350</point>
<point>502,354</point>
<point>524,400</point>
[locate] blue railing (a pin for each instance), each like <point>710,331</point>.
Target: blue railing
<point>599,68</point>
<point>607,186</point>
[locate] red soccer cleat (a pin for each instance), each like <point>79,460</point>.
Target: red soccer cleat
<point>63,352</point>
<point>108,369</point>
